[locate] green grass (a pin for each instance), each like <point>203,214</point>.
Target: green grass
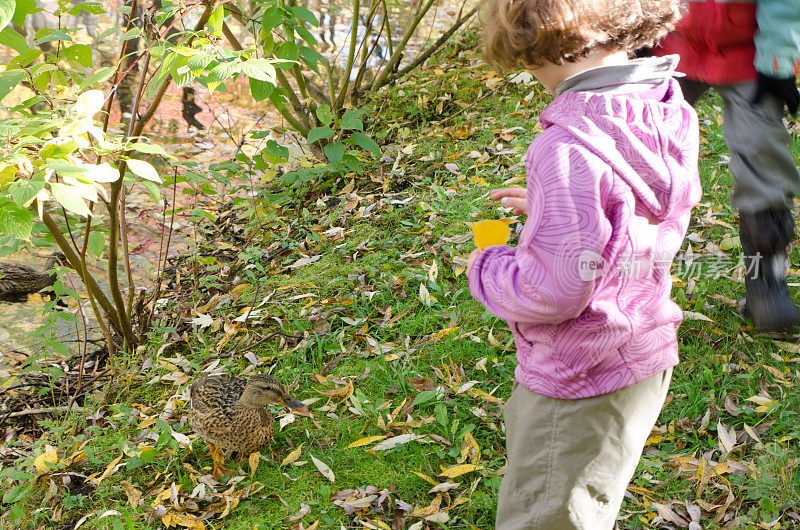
<point>374,274</point>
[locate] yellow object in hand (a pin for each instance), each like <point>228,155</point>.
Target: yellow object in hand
<point>490,232</point>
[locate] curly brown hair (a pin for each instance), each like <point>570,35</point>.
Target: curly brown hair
<point>533,31</point>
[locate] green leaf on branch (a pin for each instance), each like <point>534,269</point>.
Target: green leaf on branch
<point>267,42</point>
<point>23,8</point>
<point>288,51</point>
<point>260,69</point>
<point>79,53</point>
<point>11,38</point>
<point>366,143</point>
<point>311,57</point>
<point>23,191</point>
<point>134,33</point>
<point>260,90</point>
<point>8,80</point>
<point>97,243</point>
<point>181,72</point>
<point>305,15</point>
<point>49,35</point>
<point>143,169</point>
<point>352,120</point>
<point>149,149</point>
<point>220,74</point>
<point>334,152</point>
<point>163,72</point>
<point>199,62</point>
<point>215,21</point>
<point>6,12</point>
<point>306,36</point>
<point>70,198</point>
<point>93,8</point>
<point>275,153</point>
<point>65,168</point>
<point>7,174</point>
<point>319,133</point>
<point>351,162</point>
<point>272,17</point>
<point>97,77</point>
<point>324,114</point>
<point>16,220</point>
<point>155,191</point>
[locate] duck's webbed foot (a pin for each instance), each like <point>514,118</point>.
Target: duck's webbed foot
<point>218,458</point>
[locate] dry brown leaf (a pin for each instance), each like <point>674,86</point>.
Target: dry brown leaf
<point>727,439</point>
<point>444,486</point>
<point>396,440</point>
<point>469,450</point>
<point>342,392</point>
<point>431,509</point>
<point>187,520</point>
<point>304,510</point>
<point>751,433</point>
<point>666,513</point>
<point>324,469</point>
<point>134,495</point>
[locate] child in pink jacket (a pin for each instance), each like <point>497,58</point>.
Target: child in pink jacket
<point>611,181</point>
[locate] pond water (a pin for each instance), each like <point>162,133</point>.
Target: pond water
<point>227,116</point>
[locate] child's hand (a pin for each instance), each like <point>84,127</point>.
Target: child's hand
<point>471,259</point>
<point>514,197</point>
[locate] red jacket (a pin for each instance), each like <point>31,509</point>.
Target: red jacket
<point>715,41</point>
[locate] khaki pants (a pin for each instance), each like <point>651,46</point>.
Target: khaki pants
<point>570,461</point>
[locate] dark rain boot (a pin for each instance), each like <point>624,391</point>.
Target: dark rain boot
<point>765,237</point>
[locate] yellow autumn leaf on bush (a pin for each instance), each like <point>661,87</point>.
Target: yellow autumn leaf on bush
<point>490,232</point>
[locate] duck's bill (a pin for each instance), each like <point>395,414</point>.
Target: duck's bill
<point>296,406</point>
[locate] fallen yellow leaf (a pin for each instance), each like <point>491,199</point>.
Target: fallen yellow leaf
<point>489,232</point>
<point>48,457</point>
<point>111,468</point>
<point>461,469</point>
<point>186,520</point>
<point>253,460</point>
<point>366,441</point>
<point>425,477</point>
<point>470,449</point>
<point>293,456</point>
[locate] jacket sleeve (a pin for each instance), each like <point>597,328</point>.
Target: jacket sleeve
<point>549,277</point>
<point>778,38</point>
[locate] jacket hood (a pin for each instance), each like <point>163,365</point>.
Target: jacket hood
<point>634,118</point>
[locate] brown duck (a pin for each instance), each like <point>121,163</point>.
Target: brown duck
<point>20,280</point>
<point>232,413</point>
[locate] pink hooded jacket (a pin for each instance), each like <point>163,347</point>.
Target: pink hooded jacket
<point>611,181</point>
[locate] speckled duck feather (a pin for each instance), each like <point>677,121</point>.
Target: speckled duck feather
<point>217,414</point>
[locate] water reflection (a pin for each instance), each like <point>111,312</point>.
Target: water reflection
<point>335,25</point>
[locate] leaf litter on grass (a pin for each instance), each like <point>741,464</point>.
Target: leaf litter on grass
<point>360,306</point>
